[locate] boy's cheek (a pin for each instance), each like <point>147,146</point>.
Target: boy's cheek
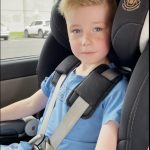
<point>74,45</point>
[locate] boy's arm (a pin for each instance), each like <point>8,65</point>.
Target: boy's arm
<point>108,137</point>
<point>25,107</point>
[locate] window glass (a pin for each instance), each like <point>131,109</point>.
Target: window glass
<point>47,23</point>
<point>20,34</point>
<point>33,23</point>
<point>38,22</point>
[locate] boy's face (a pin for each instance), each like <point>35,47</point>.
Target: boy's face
<point>89,33</point>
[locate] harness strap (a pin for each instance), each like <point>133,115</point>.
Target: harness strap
<point>51,105</point>
<point>65,67</point>
<point>95,88</point>
<point>39,137</point>
<point>70,119</point>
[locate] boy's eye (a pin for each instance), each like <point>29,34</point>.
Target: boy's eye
<point>97,29</point>
<point>76,31</point>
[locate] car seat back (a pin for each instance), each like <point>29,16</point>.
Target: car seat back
<point>130,39</point>
<point>134,126</point>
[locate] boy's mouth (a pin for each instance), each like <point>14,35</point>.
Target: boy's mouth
<point>88,52</point>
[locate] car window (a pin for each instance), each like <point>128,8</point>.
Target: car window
<point>20,35</point>
<point>38,22</point>
<point>33,24</point>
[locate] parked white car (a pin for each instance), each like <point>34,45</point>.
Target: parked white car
<point>38,28</point>
<point>4,32</point>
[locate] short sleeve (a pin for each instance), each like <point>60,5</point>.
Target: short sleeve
<point>46,85</point>
<point>113,103</point>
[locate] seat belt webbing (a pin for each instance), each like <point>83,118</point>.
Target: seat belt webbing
<point>49,110</point>
<point>72,116</point>
<point>51,105</point>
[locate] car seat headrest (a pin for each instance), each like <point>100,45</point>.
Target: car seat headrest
<point>126,32</point>
<point>58,27</point>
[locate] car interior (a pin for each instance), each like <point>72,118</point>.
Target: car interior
<point>130,52</point>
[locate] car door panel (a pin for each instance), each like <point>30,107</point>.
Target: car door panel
<point>16,89</point>
<point>18,79</point>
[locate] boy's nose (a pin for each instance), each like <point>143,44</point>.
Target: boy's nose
<point>86,39</point>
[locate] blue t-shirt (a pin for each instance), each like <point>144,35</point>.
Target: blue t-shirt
<point>85,133</point>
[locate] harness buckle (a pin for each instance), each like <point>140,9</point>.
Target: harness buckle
<point>48,145</point>
<point>41,142</point>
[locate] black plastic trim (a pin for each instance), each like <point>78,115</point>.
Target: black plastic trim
<point>18,67</point>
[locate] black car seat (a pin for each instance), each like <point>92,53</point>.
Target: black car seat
<point>131,51</point>
<point>130,36</point>
<point>129,24</point>
<point>126,50</point>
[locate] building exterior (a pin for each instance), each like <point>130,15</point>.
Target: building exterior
<point>16,14</point>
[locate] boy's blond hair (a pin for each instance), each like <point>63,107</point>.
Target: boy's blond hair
<point>66,5</point>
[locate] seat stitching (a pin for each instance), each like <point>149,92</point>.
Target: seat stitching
<point>129,134</point>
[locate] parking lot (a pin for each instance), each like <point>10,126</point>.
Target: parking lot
<point>21,47</point>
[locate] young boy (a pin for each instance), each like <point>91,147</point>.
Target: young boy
<point>89,28</point>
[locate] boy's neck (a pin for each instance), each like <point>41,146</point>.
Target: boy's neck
<point>85,69</point>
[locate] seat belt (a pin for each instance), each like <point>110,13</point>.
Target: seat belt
<point>51,104</point>
<point>60,74</point>
<point>70,119</point>
<point>42,130</point>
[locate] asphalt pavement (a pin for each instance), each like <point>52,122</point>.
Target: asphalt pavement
<point>21,47</point>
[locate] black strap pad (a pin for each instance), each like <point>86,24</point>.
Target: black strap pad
<point>95,87</point>
<point>65,67</point>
